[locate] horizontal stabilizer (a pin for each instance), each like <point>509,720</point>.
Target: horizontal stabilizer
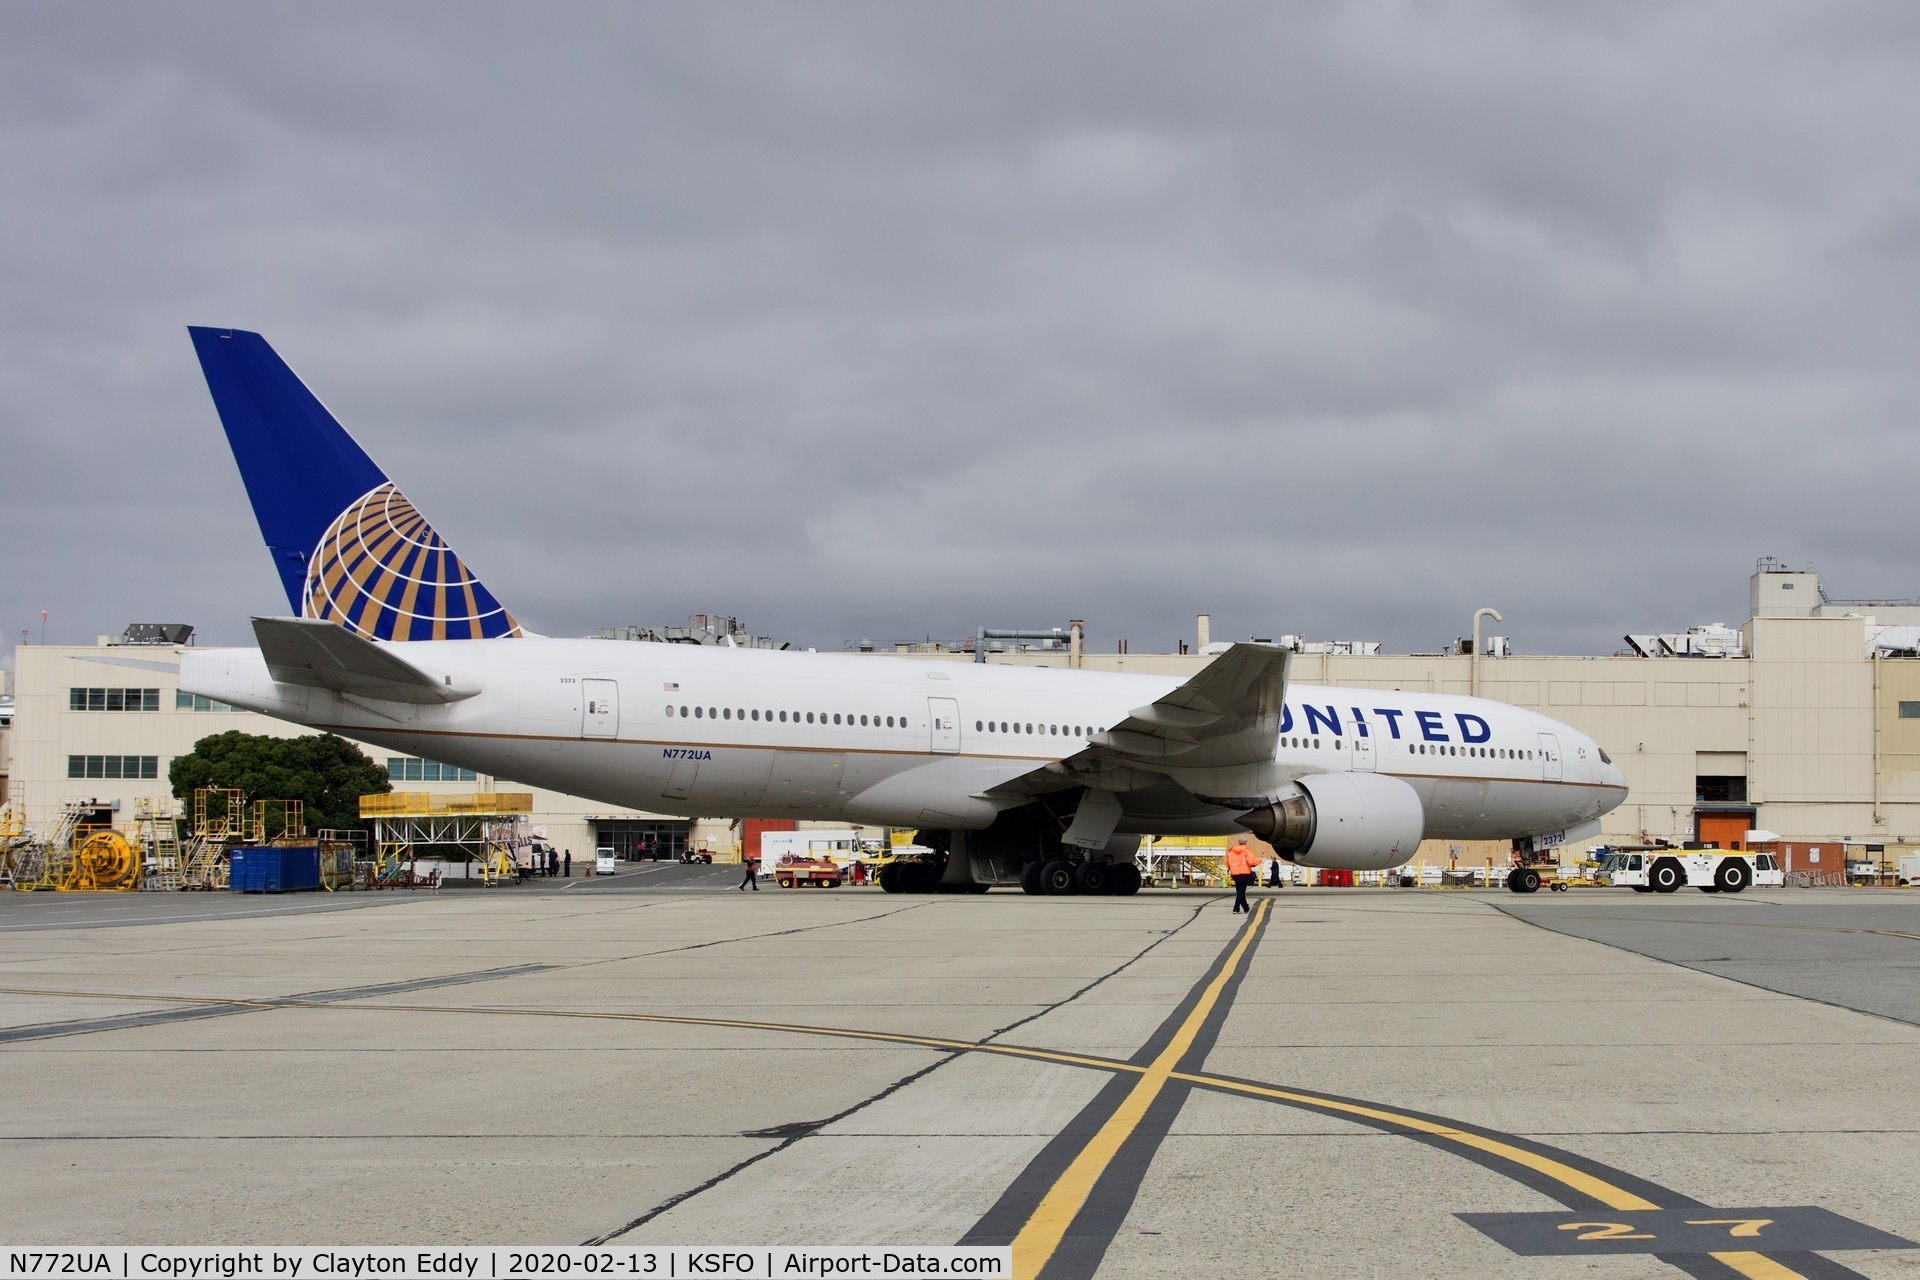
<point>323,655</point>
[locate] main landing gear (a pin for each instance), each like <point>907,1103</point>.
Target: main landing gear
<point>1059,878</point>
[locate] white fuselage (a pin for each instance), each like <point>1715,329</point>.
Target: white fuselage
<point>703,731</point>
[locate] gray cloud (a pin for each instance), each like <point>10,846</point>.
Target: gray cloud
<point>878,321</point>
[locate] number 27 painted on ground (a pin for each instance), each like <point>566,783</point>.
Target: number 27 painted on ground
<point>1740,1228</point>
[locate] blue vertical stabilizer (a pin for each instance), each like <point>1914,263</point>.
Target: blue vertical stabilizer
<point>348,545</point>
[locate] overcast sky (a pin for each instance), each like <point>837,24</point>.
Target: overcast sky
<point>894,320</point>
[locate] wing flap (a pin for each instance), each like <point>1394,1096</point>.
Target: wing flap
<point>323,655</point>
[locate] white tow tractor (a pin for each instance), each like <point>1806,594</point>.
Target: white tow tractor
<point>1665,870</point>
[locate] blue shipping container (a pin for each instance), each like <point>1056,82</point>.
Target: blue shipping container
<point>265,869</point>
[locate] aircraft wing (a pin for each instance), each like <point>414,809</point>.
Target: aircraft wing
<point>324,655</point>
<point>1227,714</point>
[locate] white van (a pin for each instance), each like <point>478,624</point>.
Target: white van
<point>604,861</point>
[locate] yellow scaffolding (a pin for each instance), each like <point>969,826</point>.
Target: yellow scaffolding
<point>285,818</point>
<point>157,835</point>
<point>486,826</point>
<point>220,820</point>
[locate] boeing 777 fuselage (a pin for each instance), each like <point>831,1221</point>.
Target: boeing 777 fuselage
<point>1005,771</point>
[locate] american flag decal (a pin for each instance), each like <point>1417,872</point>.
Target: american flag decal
<point>671,686</point>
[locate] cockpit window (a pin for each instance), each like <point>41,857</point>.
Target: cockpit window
<point>1604,757</point>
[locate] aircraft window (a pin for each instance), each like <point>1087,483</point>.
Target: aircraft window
<point>728,715</point>
<point>1053,730</point>
<point>683,711</point>
<point>696,712</point>
<point>890,722</point>
<point>836,718</point>
<point>756,713</point>
<point>1003,726</point>
<point>809,717</point>
<point>669,711</point>
<point>712,714</point>
<point>783,717</point>
<point>1029,728</point>
<point>977,726</point>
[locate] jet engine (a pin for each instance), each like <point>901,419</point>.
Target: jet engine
<point>1355,821</point>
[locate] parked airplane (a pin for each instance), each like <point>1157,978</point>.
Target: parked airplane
<point>1040,777</point>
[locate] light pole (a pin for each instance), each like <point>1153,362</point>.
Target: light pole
<point>1474,676</point>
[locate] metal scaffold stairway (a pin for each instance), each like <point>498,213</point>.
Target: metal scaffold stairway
<point>43,862</point>
<point>219,822</point>
<point>157,833</point>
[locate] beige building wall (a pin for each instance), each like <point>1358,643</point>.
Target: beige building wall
<point>1797,719</point>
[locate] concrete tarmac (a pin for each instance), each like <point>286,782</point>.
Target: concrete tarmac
<point>1117,1087</point>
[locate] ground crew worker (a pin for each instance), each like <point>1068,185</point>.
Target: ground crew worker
<point>1243,867</point>
<point>752,865</point>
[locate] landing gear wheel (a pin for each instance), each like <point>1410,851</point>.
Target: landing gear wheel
<point>1666,876</point>
<point>1056,878</point>
<point>1030,878</point>
<point>1124,880</point>
<point>1513,881</point>
<point>1092,879</point>
<point>918,877</point>
<point>1529,880</point>
<point>889,877</point>
<point>1733,876</point>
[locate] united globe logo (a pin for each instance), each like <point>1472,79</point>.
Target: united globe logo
<point>382,572</point>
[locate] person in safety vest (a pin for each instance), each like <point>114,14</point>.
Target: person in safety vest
<point>1243,867</point>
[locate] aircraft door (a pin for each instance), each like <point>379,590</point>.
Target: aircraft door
<point>943,721</point>
<point>1363,754</point>
<point>599,708</point>
<point>1550,757</point>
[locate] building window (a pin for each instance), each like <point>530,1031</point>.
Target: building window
<point>113,766</point>
<point>1714,789</point>
<point>113,699</point>
<point>412,769</point>
<point>1910,711</point>
<point>184,701</point>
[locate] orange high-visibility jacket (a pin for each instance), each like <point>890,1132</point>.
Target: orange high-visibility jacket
<point>1241,860</point>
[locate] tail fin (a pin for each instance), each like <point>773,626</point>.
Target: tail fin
<point>349,546</point>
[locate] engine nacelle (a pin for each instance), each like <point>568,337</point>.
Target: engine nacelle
<point>1354,821</point>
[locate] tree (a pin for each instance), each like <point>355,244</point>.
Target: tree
<point>328,775</point>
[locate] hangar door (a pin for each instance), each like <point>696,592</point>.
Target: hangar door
<point>1726,828</point>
